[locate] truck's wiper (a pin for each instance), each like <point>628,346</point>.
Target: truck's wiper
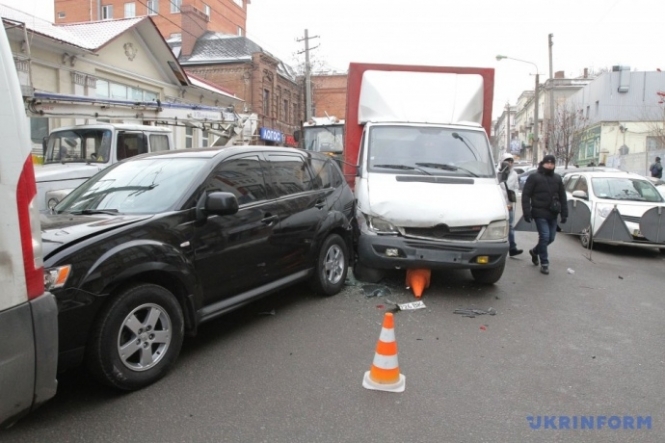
<point>93,211</point>
<point>406,167</point>
<point>446,167</point>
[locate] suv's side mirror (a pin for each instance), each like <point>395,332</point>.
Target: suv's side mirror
<point>581,194</point>
<point>216,203</point>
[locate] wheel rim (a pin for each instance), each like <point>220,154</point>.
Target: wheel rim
<point>144,337</point>
<point>585,237</point>
<point>333,264</point>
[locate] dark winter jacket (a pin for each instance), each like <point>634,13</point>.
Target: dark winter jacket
<point>539,191</point>
<point>656,170</point>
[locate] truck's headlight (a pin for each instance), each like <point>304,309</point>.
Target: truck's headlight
<point>497,230</point>
<point>381,226</point>
<point>55,197</point>
<point>56,277</point>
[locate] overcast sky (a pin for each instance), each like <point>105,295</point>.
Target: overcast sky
<point>587,33</point>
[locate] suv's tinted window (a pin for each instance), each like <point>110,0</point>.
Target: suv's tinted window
<point>289,174</point>
<point>242,176</point>
<point>322,172</point>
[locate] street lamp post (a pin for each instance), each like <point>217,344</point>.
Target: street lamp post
<point>535,105</point>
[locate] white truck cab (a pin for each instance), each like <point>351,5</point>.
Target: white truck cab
<point>28,315</point>
<point>76,153</point>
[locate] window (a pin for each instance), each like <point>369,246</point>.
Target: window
<point>655,143</point>
<point>572,181</point>
<point>38,129</point>
<point>153,7</point>
<point>189,137</point>
<point>159,142</point>
<point>106,89</point>
<point>242,177</point>
<point>204,139</point>
<point>175,6</point>
<point>61,15</point>
<point>107,12</point>
<point>240,31</point>
<point>266,103</point>
<point>295,113</point>
<point>131,144</point>
<point>321,171</point>
<point>285,113</point>
<point>289,175</point>
<point>130,10</point>
<point>206,10</point>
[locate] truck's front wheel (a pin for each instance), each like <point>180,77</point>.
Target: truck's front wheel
<point>488,276</point>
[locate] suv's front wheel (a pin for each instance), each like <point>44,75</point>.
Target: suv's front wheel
<point>137,337</point>
<point>331,266</point>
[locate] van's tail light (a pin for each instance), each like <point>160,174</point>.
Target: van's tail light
<point>31,242</point>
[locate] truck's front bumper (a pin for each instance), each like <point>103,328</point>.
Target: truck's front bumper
<point>418,253</point>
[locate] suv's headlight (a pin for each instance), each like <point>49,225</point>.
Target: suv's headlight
<point>497,230</point>
<point>56,277</point>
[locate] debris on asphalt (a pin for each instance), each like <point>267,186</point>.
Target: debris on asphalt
<point>411,306</point>
<point>620,277</point>
<point>471,313</point>
<point>571,271</point>
<point>351,279</point>
<point>483,328</point>
<point>375,290</point>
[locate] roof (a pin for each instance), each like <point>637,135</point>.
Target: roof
<point>216,48</point>
<point>98,34</point>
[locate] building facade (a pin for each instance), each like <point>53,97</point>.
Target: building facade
<point>225,16</point>
<point>329,95</point>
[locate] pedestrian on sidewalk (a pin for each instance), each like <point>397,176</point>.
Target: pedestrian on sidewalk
<point>543,200</point>
<point>656,169</point>
<point>510,186</point>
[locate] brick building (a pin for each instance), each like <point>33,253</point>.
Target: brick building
<point>269,87</point>
<point>329,95</point>
<point>226,16</point>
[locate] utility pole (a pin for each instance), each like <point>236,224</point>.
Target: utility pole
<point>550,121</point>
<point>308,74</point>
<point>535,122</point>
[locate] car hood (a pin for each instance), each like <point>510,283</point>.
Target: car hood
<point>63,229</point>
<point>66,171</point>
<point>422,204</point>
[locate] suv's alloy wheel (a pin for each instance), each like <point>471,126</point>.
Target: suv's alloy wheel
<point>331,267</point>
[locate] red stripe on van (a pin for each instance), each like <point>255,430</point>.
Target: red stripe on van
<point>25,192</point>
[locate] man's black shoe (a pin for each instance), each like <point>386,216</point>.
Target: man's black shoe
<point>544,270</point>
<point>534,257</point>
<point>514,252</point>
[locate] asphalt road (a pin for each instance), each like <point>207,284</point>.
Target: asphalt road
<point>289,368</point>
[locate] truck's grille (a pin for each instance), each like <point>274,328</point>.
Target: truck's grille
<point>444,232</point>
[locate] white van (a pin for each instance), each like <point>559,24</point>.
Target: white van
<point>28,315</point>
<point>76,153</point>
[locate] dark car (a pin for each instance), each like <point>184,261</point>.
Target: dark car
<point>146,250</point>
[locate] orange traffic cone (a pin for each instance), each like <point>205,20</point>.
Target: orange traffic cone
<point>384,373</point>
<point>418,280</point>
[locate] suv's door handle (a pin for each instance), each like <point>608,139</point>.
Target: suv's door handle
<point>269,219</point>
<point>320,204</point>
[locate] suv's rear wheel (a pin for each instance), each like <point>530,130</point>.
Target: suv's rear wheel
<point>586,237</point>
<point>137,337</point>
<point>331,267</point>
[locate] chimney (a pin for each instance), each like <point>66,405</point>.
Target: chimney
<point>194,25</point>
<point>559,74</point>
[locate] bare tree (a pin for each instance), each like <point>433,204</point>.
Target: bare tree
<point>566,132</point>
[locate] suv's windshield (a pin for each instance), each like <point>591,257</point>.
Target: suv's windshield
<point>429,150</point>
<point>619,188</point>
<point>79,145</point>
<point>143,186</point>
<point>324,138</point>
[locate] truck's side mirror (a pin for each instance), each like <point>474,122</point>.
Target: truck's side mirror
<point>296,135</point>
<point>44,145</point>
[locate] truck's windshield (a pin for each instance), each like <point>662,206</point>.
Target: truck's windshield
<point>328,138</point>
<point>434,150</point>
<point>79,145</point>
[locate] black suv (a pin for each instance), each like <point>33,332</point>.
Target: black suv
<point>147,249</point>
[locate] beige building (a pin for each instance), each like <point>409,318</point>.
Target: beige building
<point>119,59</point>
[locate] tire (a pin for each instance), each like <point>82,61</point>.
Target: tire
<point>368,275</point>
<point>586,238</point>
<point>331,266</point>
<point>662,250</point>
<point>488,276</point>
<point>151,345</point>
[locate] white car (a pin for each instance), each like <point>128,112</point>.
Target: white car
<point>615,208</point>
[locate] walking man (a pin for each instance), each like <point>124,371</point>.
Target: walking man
<point>543,200</point>
<point>656,169</point>
<point>510,186</point>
